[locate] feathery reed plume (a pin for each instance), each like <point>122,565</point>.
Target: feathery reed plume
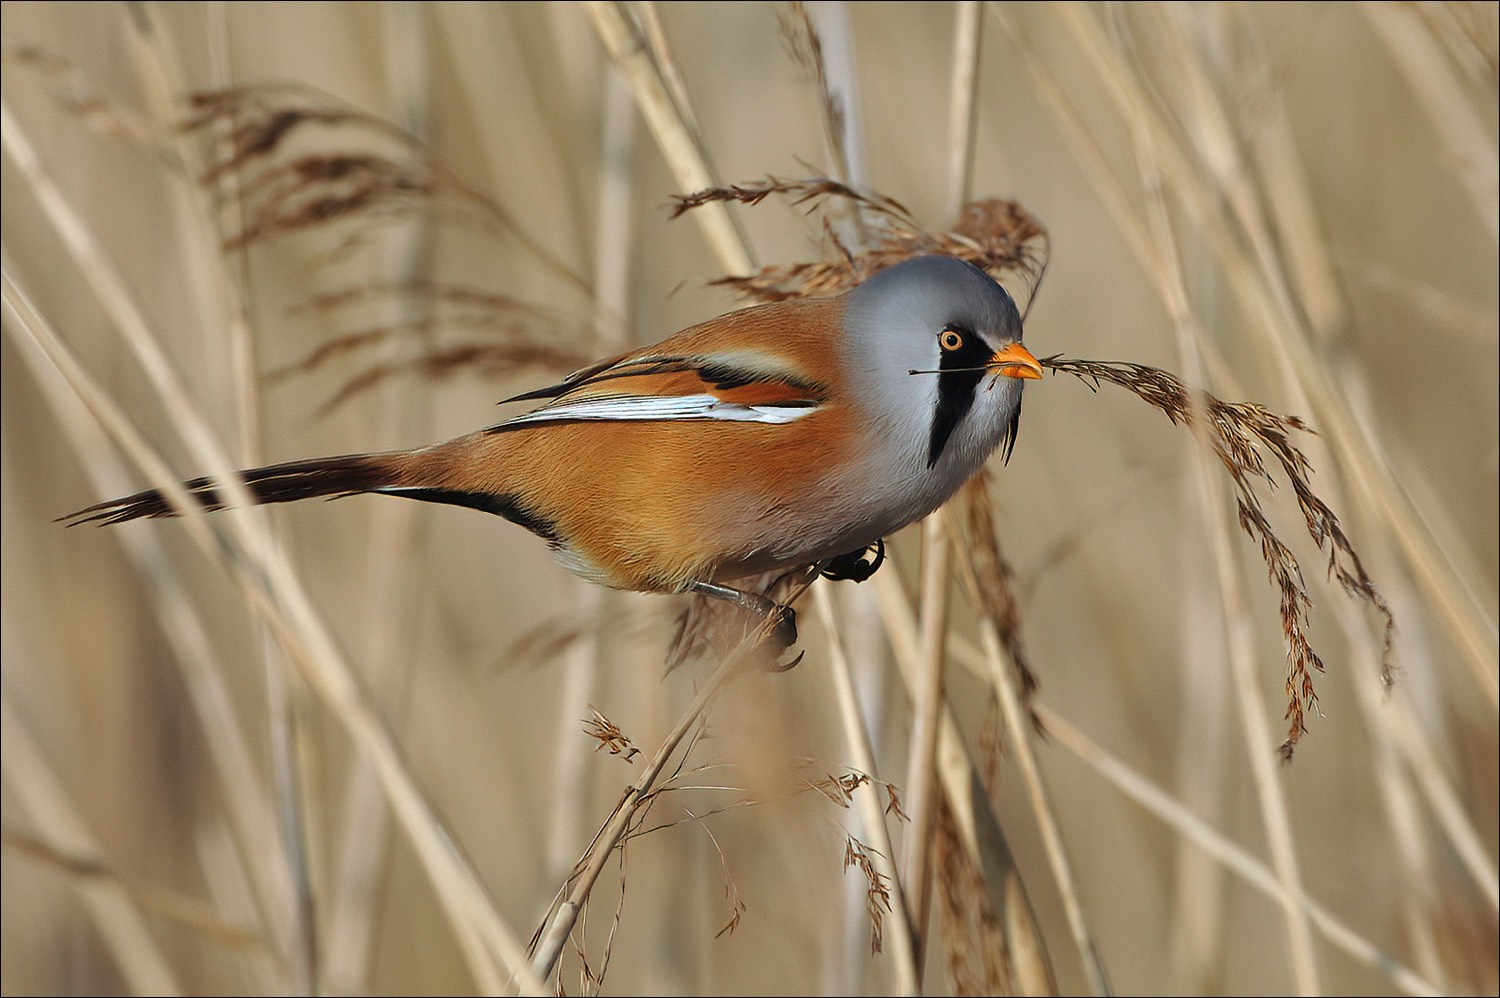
<point>877,890</point>
<point>840,790</point>
<point>996,235</point>
<point>1239,432</point>
<point>517,334</point>
<point>609,735</point>
<point>995,581</point>
<point>978,953</point>
<point>287,189</point>
<point>378,173</point>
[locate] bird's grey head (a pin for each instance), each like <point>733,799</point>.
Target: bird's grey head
<point>927,340</point>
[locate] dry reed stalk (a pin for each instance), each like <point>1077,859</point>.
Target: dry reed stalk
<point>1193,829</point>
<point>670,123</point>
<point>275,594</point>
<point>251,821</point>
<point>1017,715</point>
<point>805,43</point>
<point>927,709</point>
<point>963,104</point>
<point>551,936</point>
<point>1232,856</point>
<point>1469,139</point>
<point>1247,696</point>
<point>261,568</point>
<point>45,801</point>
<point>1403,809</point>
<point>1445,805</point>
<point>990,581</point>
<point>929,694</point>
<point>857,745</point>
<point>972,804</point>
<point>994,582</point>
<point>407,254</point>
<point>1104,178</point>
<point>224,288</point>
<point>114,294</point>
<point>1281,188</point>
<point>151,898</point>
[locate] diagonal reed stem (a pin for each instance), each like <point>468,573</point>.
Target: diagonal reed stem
<point>638,795</point>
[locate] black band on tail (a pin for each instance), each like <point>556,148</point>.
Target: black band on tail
<point>331,476</point>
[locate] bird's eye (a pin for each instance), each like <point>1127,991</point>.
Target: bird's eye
<point>950,339</point>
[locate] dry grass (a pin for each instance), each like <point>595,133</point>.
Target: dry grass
<point>1239,433</point>
<point>362,748</point>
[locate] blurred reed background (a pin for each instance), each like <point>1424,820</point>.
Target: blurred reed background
<point>341,747</point>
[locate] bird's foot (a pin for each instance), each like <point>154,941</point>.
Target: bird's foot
<point>856,566</point>
<point>781,618</point>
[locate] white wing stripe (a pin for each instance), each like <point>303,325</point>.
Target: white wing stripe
<point>649,407</point>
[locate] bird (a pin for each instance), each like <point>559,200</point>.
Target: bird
<point>787,434</point>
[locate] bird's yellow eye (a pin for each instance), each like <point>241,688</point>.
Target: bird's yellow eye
<point>950,339</point>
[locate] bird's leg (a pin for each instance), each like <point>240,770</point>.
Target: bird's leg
<point>856,566</point>
<point>783,618</point>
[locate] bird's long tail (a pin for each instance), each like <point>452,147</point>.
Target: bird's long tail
<point>419,474</point>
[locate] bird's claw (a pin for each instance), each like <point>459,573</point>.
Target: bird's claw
<point>783,633</point>
<point>779,622</point>
<point>786,666</point>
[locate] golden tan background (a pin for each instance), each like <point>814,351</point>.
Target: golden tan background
<point>1293,203</point>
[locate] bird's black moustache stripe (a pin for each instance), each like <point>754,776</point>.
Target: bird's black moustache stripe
<point>959,373</point>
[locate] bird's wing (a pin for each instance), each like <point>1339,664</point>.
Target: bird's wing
<point>661,386</point>
<point>712,371</point>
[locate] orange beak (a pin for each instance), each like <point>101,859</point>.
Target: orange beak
<point>1015,361</point>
